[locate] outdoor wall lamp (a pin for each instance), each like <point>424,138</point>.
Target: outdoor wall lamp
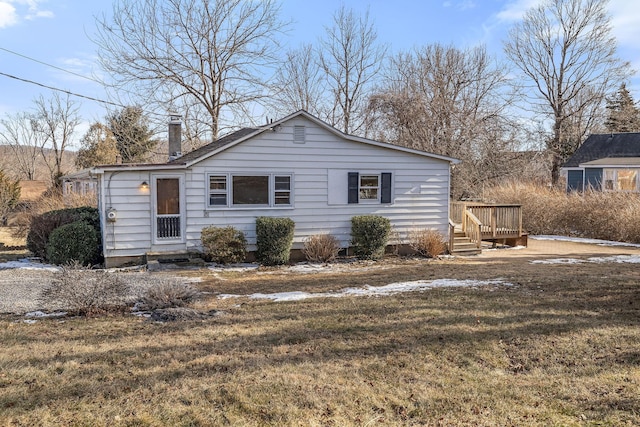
<point>144,185</point>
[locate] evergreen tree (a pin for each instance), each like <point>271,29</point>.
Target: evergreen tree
<point>9,195</point>
<point>98,147</point>
<point>133,137</point>
<point>624,114</point>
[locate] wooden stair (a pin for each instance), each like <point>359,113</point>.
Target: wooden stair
<point>462,246</point>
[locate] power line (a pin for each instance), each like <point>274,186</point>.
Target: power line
<point>62,90</point>
<point>50,65</point>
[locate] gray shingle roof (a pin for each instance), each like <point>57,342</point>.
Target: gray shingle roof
<point>213,146</point>
<point>604,145</point>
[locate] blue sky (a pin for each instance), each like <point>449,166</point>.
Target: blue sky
<point>57,32</point>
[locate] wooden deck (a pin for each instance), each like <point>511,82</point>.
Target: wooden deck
<point>484,222</point>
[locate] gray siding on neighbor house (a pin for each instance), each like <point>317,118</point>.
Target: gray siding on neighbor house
<point>575,180</point>
<point>593,178</point>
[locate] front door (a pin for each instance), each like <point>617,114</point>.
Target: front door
<point>168,209</point>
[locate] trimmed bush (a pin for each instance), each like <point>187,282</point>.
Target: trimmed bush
<point>41,227</point>
<point>274,238</point>
<point>427,242</point>
<point>321,248</point>
<point>369,235</point>
<point>224,245</point>
<point>77,241</point>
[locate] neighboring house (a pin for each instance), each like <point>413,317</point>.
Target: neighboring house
<point>605,162</point>
<point>79,183</point>
<point>298,167</point>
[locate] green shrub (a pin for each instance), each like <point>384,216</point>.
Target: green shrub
<point>77,241</point>
<point>369,235</point>
<point>274,238</point>
<point>41,226</point>
<point>224,245</point>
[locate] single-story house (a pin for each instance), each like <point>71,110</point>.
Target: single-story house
<point>605,162</point>
<point>297,167</point>
<point>80,183</point>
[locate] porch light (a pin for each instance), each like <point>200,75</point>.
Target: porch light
<point>144,185</point>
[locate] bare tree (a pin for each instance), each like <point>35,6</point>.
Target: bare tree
<point>300,83</point>
<point>565,48</point>
<point>55,120</point>
<point>351,58</point>
<point>211,52</point>
<point>452,102</point>
<point>19,133</point>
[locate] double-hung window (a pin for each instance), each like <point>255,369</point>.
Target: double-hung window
<point>369,187</point>
<point>245,190</point>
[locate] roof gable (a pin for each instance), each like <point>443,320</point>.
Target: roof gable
<point>606,145</point>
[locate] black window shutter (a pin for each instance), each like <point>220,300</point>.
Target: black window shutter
<point>385,195</point>
<point>353,187</point>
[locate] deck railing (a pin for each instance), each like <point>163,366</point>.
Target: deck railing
<point>496,221</point>
<point>472,228</point>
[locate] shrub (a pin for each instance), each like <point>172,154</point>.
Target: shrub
<point>369,235</point>
<point>321,248</point>
<point>87,292</point>
<point>274,238</point>
<point>224,245</point>
<point>42,225</point>
<point>77,241</point>
<point>168,294</point>
<point>427,242</point>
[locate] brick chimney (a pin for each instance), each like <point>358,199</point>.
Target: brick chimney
<point>175,136</point>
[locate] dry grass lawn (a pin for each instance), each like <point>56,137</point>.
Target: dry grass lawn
<point>560,347</point>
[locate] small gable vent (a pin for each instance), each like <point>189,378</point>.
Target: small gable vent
<point>298,134</point>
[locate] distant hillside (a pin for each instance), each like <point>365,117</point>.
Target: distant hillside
<point>10,165</point>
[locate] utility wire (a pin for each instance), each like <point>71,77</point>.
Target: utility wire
<point>52,66</point>
<point>62,90</point>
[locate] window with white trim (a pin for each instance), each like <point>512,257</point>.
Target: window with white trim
<point>244,190</point>
<point>370,187</point>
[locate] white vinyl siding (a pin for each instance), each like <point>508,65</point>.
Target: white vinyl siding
<point>317,190</point>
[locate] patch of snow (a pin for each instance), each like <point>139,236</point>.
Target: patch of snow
<point>620,259</point>
<point>27,264</point>
<point>42,314</point>
<point>584,240</point>
<point>234,267</point>
<point>391,289</point>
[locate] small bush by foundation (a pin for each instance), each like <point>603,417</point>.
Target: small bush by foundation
<point>75,242</point>
<point>274,238</point>
<point>224,245</point>
<point>427,242</point>
<point>369,235</point>
<point>321,248</point>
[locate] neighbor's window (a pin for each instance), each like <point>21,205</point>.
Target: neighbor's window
<point>621,180</point>
<point>244,190</point>
<point>369,187</point>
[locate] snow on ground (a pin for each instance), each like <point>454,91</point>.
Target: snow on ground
<point>391,289</point>
<point>27,264</point>
<point>584,240</point>
<point>618,259</point>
